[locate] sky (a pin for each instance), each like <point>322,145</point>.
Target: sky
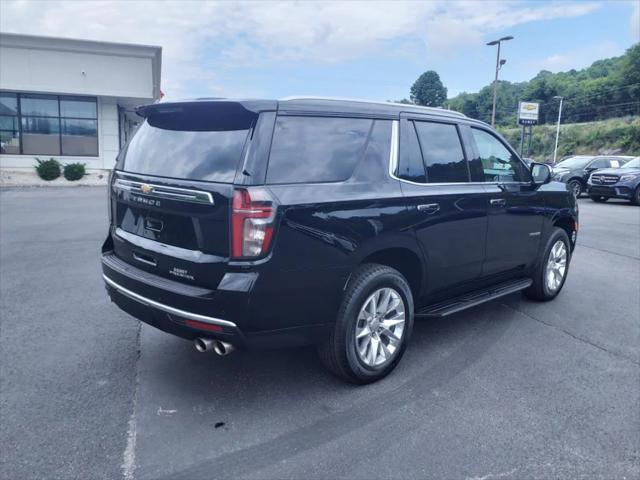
<point>373,50</point>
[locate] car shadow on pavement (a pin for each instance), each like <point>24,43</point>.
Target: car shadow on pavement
<point>191,371</point>
<point>237,391</point>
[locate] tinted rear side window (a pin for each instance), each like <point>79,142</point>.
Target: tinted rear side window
<point>442,153</point>
<point>316,149</point>
<point>193,155</point>
<point>411,166</point>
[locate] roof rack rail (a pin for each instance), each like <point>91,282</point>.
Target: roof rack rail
<point>437,110</point>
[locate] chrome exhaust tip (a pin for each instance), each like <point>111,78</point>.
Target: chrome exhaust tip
<point>207,344</point>
<point>222,348</point>
<point>203,344</point>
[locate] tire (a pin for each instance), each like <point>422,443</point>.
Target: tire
<point>575,186</point>
<point>343,353</point>
<point>599,199</point>
<point>636,196</point>
<point>540,290</point>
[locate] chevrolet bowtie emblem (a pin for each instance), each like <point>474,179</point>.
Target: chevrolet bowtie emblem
<point>146,188</point>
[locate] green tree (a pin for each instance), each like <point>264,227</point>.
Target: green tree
<point>428,90</point>
<point>609,88</point>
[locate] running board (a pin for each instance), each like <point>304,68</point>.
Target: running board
<point>472,299</point>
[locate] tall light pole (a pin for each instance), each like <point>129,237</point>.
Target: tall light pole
<point>499,64</point>
<point>555,150</point>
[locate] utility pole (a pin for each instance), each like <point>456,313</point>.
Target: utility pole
<point>499,64</point>
<point>555,150</point>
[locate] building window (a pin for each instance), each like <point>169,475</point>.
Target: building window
<point>9,130</point>
<point>34,124</point>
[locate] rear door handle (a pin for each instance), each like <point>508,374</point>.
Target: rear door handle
<point>429,208</point>
<point>498,202</point>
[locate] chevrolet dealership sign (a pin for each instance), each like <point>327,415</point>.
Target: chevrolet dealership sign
<point>528,113</point>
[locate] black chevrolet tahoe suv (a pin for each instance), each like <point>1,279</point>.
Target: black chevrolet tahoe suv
<point>253,223</point>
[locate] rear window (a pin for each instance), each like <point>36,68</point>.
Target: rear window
<point>316,149</point>
<point>193,155</point>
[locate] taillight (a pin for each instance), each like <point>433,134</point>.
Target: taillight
<point>252,217</point>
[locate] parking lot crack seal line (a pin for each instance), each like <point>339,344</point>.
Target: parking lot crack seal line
<point>580,339</point>
<point>129,454</point>
<point>582,245</point>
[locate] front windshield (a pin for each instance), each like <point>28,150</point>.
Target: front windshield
<point>574,162</point>
<point>633,163</point>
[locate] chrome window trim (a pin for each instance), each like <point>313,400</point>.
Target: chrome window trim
<point>161,191</point>
<point>166,308</point>
<point>393,166</point>
<point>393,150</point>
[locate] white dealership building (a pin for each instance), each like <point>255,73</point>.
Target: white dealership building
<point>72,100</point>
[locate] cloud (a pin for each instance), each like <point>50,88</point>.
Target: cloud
<point>201,39</point>
<point>580,58</point>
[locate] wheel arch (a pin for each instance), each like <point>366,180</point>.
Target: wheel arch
<point>406,260</point>
<point>568,224</point>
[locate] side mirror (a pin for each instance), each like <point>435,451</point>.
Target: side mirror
<point>541,173</point>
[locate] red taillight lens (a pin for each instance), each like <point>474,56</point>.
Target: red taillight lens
<point>252,217</point>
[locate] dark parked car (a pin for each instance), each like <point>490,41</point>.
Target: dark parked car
<point>623,182</point>
<point>575,171</point>
<point>329,222</point>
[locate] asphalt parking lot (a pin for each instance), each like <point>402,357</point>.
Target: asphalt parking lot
<point>511,389</point>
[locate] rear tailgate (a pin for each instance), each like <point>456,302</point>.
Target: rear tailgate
<point>172,189</point>
<point>174,229</point>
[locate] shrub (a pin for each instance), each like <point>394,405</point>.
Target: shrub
<point>74,171</point>
<point>48,169</point>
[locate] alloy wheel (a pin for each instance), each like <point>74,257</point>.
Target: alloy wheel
<point>556,266</point>
<point>380,327</point>
<point>576,188</point>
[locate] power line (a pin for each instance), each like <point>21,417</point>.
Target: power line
<point>599,94</point>
<point>514,110</point>
<point>595,112</point>
<point>601,107</point>
<point>544,106</point>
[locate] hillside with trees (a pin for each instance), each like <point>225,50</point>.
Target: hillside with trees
<point>613,136</point>
<point>608,88</point>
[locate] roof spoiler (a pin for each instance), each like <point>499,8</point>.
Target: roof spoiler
<point>213,104</point>
<point>204,114</point>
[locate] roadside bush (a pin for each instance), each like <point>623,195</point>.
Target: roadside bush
<point>48,169</point>
<point>74,171</point>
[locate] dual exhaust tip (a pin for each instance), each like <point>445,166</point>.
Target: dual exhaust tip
<point>207,344</point>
